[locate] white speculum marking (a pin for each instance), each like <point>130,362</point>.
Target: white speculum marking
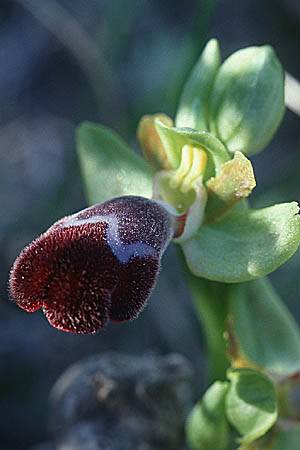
<point>123,252</point>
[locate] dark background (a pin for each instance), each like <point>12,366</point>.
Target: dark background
<point>109,61</point>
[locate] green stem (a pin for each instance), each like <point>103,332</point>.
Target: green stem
<point>210,302</point>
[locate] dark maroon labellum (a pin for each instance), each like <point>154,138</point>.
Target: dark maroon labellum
<point>97,265</point>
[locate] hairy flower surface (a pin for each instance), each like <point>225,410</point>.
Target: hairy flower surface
<point>97,265</point>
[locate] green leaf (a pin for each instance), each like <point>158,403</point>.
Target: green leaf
<point>207,427</point>
<point>109,167</point>
<point>247,101</point>
<point>193,106</point>
<point>265,331</point>
<point>251,403</point>
<point>174,139</point>
<point>245,244</point>
<point>234,183</point>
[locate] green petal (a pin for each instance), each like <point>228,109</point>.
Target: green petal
<point>251,403</point>
<point>109,167</point>
<point>234,183</point>
<point>247,101</point>
<point>174,139</point>
<point>207,427</point>
<point>265,331</point>
<point>245,245</point>
<point>193,107</point>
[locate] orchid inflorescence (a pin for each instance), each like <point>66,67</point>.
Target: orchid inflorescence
<point>192,187</point>
<point>201,177</point>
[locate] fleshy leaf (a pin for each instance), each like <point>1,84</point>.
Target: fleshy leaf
<point>174,139</point>
<point>235,181</point>
<point>193,106</point>
<point>150,141</point>
<point>244,245</point>
<point>251,403</point>
<point>109,167</point>
<point>265,331</point>
<point>247,101</point>
<point>207,427</point>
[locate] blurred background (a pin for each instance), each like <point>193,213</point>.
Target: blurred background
<point>111,61</point>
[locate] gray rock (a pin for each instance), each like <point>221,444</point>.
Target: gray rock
<point>115,401</point>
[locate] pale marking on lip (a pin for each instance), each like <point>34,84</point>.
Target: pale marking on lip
<point>123,252</point>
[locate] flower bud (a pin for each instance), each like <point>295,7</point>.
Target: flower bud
<point>247,100</point>
<point>96,265</point>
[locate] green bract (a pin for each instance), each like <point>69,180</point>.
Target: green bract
<point>207,427</point>
<point>265,331</point>
<point>247,100</point>
<point>251,404</point>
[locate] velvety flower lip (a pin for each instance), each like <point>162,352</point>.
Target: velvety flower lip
<point>97,265</point>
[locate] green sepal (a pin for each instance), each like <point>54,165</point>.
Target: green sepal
<point>265,331</point>
<point>174,139</point>
<point>244,245</point>
<point>251,403</point>
<point>193,106</point>
<point>109,167</point>
<point>235,182</point>
<point>207,427</point>
<point>247,101</point>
